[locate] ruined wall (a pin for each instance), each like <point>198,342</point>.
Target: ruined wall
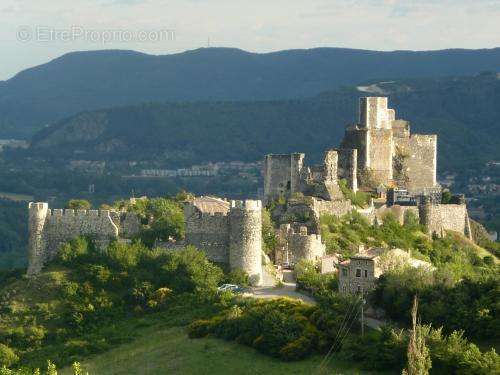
<point>356,137</point>
<point>400,129</point>
<point>348,167</point>
<point>379,154</point>
<point>208,232</point>
<point>374,114</point>
<point>438,218</point>
<point>296,168</point>
<point>282,174</point>
<point>420,161</point>
<point>245,245</point>
<point>48,229</point>
<point>399,212</point>
<point>337,208</point>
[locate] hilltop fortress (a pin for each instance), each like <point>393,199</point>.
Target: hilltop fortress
<point>378,150</point>
<point>378,155</point>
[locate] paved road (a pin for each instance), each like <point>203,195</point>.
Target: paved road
<point>268,290</point>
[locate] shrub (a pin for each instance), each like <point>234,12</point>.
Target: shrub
<point>7,356</point>
<point>79,204</point>
<point>74,250</point>
<point>311,280</point>
<point>199,328</point>
<point>296,350</point>
<point>238,277</point>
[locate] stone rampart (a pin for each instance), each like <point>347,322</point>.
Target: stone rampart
<point>208,232</point>
<point>233,237</point>
<point>48,229</point>
<point>439,218</point>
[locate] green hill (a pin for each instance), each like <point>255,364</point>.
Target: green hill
<point>133,309</point>
<point>90,80</point>
<point>463,111</point>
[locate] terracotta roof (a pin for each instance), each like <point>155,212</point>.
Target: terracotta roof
<point>211,205</point>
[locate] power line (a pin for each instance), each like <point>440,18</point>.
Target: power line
<point>345,335</point>
<point>350,310</point>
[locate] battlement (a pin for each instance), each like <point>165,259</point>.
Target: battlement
<point>38,206</point>
<point>302,231</point>
<point>49,228</point>
<point>71,213</point>
<point>247,205</point>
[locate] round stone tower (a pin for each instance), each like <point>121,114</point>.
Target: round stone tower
<point>245,238</point>
<point>36,246</point>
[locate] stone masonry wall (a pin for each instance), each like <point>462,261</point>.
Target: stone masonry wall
<point>420,160</point>
<point>302,245</point>
<point>49,228</point>
<point>208,232</point>
<point>438,218</point>
<point>380,153</point>
<point>277,175</point>
<point>337,208</point>
<point>245,245</point>
<point>348,167</point>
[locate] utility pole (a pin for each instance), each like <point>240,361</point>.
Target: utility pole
<point>362,313</point>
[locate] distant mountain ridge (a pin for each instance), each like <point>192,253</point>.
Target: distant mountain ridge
<point>463,111</point>
<point>82,81</point>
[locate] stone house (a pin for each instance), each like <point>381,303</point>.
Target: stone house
<point>359,273</point>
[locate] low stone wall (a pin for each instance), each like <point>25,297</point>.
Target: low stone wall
<point>336,208</point>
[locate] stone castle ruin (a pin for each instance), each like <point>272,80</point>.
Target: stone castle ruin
<point>48,229</point>
<point>228,232</point>
<point>378,151</point>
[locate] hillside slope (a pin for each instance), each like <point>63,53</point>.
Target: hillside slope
<point>464,112</point>
<point>96,79</point>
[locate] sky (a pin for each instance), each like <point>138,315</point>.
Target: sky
<point>33,32</point>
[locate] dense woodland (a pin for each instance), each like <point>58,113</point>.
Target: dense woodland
<point>462,111</point>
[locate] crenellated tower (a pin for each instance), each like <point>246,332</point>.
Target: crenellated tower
<point>245,238</point>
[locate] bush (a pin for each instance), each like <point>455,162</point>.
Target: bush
<point>79,204</point>
<point>75,249</point>
<point>7,356</point>
<point>283,328</point>
<point>238,277</point>
<point>296,350</point>
<point>311,280</point>
<point>199,328</point>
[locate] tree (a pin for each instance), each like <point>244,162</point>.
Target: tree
<point>79,204</point>
<point>419,359</point>
<point>269,238</point>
